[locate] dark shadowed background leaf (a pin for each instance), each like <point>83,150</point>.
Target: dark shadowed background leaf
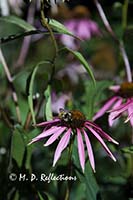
<point>17,21</point>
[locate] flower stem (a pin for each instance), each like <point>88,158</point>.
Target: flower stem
<point>26,42</point>
<point>121,45</point>
<point>45,24</point>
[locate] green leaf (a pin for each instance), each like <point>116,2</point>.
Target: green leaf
<point>40,196</point>
<point>60,28</point>
<point>48,110</point>
<point>82,60</point>
<point>16,195</point>
<point>30,96</point>
<point>93,95</point>
<point>46,195</point>
<point>128,149</point>
<point>17,21</point>
<point>88,178</point>
<point>18,147</point>
<point>30,90</point>
<point>118,180</point>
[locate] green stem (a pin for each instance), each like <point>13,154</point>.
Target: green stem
<point>124,14</point>
<point>45,24</point>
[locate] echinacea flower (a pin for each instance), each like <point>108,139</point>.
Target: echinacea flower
<point>82,28</point>
<point>120,103</point>
<point>69,124</point>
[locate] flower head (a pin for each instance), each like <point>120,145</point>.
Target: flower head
<point>69,124</point>
<point>82,28</point>
<point>121,102</point>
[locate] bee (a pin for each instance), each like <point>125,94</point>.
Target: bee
<point>73,118</point>
<point>65,115</point>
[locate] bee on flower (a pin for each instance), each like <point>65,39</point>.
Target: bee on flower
<point>69,124</point>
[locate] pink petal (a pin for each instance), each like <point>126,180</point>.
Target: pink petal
<point>81,149</point>
<point>45,134</point>
<point>130,114</point>
<point>83,31</point>
<point>89,149</point>
<point>102,142</point>
<point>51,122</point>
<point>55,136</point>
<point>68,41</point>
<point>106,106</point>
<point>117,112</point>
<point>122,107</point>
<point>62,145</point>
<point>101,132</point>
<point>115,88</point>
<point>110,118</point>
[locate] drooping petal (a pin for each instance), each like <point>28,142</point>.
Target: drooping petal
<point>101,141</point>
<point>101,132</point>
<point>110,118</point>
<point>89,150</point>
<point>55,136</point>
<point>106,106</point>
<point>130,114</point>
<point>122,107</point>
<point>81,151</point>
<point>129,118</point>
<point>51,122</point>
<point>62,145</point>
<point>45,133</point>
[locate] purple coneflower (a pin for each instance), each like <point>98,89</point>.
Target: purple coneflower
<point>69,124</point>
<point>82,28</point>
<point>120,103</point>
<point>59,101</point>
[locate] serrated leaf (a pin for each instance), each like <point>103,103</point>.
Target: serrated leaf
<point>17,21</point>
<point>82,60</point>
<point>48,110</point>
